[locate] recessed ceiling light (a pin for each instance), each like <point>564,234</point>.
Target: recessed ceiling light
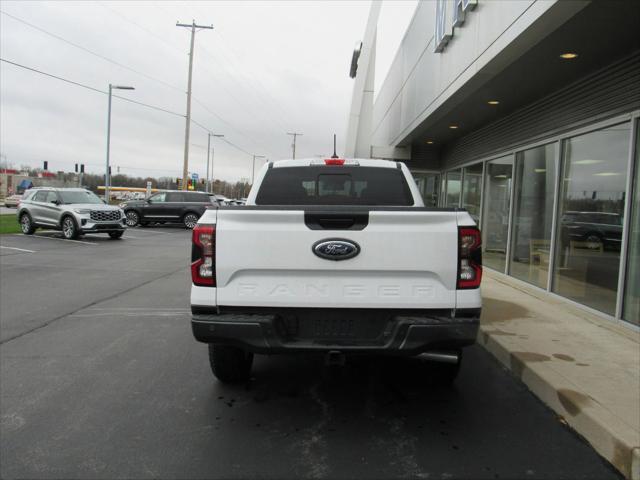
<point>539,170</point>
<point>501,176</point>
<point>587,161</point>
<point>453,127</point>
<point>429,142</point>
<point>568,55</point>
<point>493,102</point>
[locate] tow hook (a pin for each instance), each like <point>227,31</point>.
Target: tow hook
<point>334,358</point>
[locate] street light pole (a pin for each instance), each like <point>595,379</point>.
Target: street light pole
<point>253,168</point>
<point>209,147</point>
<point>107,176</point>
<point>208,152</point>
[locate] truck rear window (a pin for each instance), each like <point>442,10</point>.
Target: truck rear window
<point>339,185</point>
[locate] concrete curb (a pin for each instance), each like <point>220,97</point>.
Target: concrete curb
<point>611,438</point>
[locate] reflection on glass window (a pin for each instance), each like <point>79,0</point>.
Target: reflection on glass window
<point>472,189</point>
<point>428,184</point>
<point>495,218</point>
<point>453,189</point>
<point>631,302</point>
<point>535,175</point>
<point>590,217</point>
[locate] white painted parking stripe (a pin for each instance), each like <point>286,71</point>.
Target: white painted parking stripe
<point>56,238</point>
<point>19,249</point>
<point>129,314</point>
<point>146,309</point>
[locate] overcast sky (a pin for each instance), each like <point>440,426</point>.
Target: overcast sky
<point>267,68</point>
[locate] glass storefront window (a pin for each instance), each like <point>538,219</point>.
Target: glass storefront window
<point>428,184</point>
<point>453,189</point>
<point>631,301</point>
<point>535,175</point>
<point>495,217</point>
<point>472,190</point>
<point>590,217</point>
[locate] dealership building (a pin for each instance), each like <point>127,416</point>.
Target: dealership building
<point>525,113</point>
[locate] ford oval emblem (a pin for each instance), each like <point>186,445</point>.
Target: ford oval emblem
<point>336,249</point>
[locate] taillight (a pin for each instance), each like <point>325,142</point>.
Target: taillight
<point>469,258</point>
<point>203,253</point>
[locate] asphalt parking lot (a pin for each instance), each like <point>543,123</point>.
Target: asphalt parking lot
<point>100,378</point>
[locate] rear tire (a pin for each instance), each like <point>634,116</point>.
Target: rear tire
<point>116,235</point>
<point>230,364</point>
<point>26,224</point>
<point>69,228</point>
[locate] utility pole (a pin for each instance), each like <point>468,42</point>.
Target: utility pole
<point>253,168</point>
<point>295,135</point>
<point>185,167</point>
<point>210,148</point>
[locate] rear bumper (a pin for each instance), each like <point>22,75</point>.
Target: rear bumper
<point>350,331</point>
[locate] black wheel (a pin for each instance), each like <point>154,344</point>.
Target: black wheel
<point>69,228</point>
<point>26,224</point>
<point>116,235</point>
<point>132,218</point>
<point>190,220</point>
<point>230,364</point>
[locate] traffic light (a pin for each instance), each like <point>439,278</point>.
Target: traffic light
<point>46,165</point>
<point>76,168</point>
<point>178,182</point>
<point>82,168</point>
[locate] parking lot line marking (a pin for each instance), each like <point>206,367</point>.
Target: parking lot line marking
<point>130,314</point>
<point>19,249</point>
<point>56,238</point>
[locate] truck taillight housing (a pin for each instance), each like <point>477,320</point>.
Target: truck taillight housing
<point>469,258</point>
<point>203,255</point>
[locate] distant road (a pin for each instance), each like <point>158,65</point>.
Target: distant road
<point>4,210</point>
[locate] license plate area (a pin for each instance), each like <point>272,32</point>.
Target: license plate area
<point>336,328</point>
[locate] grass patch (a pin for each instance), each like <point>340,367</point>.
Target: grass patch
<point>9,224</point>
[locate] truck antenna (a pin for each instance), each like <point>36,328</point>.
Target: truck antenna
<point>335,155</point>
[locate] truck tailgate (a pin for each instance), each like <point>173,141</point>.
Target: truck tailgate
<point>407,259</point>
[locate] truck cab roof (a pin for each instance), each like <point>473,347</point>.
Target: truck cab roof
<point>307,162</point>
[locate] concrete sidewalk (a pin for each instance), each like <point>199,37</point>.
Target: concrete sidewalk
<point>584,367</point>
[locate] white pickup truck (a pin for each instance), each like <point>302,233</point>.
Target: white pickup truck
<point>338,257</point>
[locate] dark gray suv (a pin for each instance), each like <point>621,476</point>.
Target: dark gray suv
<point>75,211</point>
<point>171,206</point>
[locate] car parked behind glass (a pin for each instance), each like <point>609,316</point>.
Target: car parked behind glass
<point>75,211</point>
<point>171,206</point>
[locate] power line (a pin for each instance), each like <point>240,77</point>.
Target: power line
<point>91,52</point>
<point>122,66</point>
<point>78,84</point>
<point>82,85</point>
<point>224,139</point>
<point>144,29</point>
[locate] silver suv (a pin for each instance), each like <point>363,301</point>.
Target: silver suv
<point>75,211</point>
